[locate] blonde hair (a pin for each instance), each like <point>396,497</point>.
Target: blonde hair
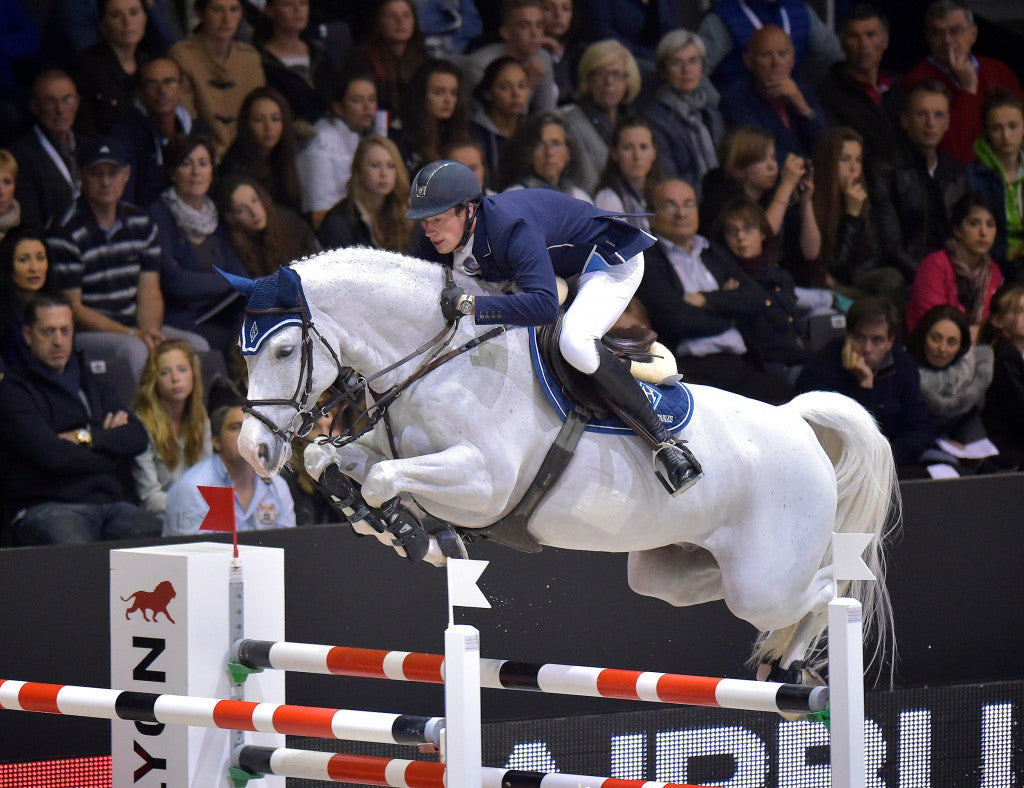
<point>388,226</point>
<point>743,146</point>
<point>8,162</point>
<point>1003,302</point>
<point>604,53</point>
<point>152,414</point>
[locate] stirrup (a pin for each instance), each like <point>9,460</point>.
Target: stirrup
<point>662,468</point>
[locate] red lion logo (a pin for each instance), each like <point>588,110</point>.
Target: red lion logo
<point>156,600</point>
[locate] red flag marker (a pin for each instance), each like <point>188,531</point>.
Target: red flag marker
<point>221,516</point>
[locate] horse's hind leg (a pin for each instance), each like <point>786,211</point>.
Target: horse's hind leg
<point>681,574</point>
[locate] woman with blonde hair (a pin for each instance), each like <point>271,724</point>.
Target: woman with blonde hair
<point>170,405</point>
<point>609,80</point>
<point>373,211</point>
<point>10,211</point>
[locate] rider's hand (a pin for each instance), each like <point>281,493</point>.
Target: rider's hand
<point>450,302</point>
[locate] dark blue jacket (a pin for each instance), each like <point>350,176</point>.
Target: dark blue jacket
<point>894,400</point>
<point>628,22</point>
<point>744,103</point>
<point>989,183</point>
<point>731,68</point>
<point>531,235</point>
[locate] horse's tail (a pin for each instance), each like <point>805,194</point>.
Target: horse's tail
<point>868,501</point>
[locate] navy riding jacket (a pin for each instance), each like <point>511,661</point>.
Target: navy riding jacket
<point>531,235</point>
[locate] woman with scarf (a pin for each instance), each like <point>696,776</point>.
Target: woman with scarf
<point>686,120</point>
<point>193,241</point>
<point>540,156</point>
<point>963,274</point>
<point>632,169</point>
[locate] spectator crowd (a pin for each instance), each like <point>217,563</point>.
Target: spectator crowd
<point>821,222</point>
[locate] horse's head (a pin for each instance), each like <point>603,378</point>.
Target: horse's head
<point>290,365</point>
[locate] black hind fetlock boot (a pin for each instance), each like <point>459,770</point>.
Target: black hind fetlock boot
<point>674,464</point>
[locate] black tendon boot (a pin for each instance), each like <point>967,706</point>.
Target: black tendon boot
<point>674,464</point>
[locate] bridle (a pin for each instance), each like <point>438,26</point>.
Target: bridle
<point>347,387</point>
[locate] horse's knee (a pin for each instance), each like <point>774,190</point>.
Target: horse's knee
<point>379,485</point>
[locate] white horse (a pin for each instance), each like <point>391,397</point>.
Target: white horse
<point>754,532</point>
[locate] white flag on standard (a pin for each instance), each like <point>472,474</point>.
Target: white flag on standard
<point>462,588</point>
<point>847,550</point>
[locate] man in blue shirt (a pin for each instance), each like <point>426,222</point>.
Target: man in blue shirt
<point>259,503</point>
<point>530,237</point>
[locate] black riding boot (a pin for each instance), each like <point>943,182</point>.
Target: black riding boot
<point>674,464</point>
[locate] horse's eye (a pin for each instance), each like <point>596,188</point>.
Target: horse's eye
<point>285,351</point>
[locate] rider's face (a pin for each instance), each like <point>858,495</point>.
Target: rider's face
<point>445,230</point>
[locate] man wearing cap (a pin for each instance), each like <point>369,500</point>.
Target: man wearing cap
<point>106,258</point>
<point>530,237</point>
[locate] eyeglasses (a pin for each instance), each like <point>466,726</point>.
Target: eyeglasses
<point>948,32</point>
<point>674,207</point>
<point>613,74</point>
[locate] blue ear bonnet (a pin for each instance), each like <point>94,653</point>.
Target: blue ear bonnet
<point>282,290</point>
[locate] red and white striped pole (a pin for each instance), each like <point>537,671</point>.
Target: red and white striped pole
<point>111,704</point>
<point>549,677</point>
<point>368,770</point>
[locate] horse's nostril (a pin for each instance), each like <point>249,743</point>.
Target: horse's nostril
<point>263,452</point>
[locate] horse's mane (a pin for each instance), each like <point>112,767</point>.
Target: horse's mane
<point>363,263</point>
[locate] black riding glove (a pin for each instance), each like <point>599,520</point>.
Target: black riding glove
<point>450,302</point>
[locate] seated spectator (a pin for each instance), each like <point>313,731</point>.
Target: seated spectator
<point>637,25</point>
<point>951,33</point>
<point>170,407</point>
<point>633,168</point>
<point>848,262</point>
<point>47,153</point>
<point>749,169</point>
<point>913,190</point>
<point>770,98</point>
<point>194,241</point>
<point>562,41</point>
<point>728,26</point>
<point>67,441</point>
<point>954,375</point>
<point>701,303</point>
<point>449,26</point>
<point>220,71</point>
<point>74,25</point>
<point>24,271</point>
<point>265,147</point>
<point>503,95</point>
<point>540,156</point>
<point>10,210</point>
<point>312,506</point>
<point>325,163</point>
<point>999,174</point>
<point>373,212</point>
<point>1003,414</point>
<point>21,42</point>
<point>107,257</point>
<point>743,228</point>
<point>295,65</point>
<point>522,34</point>
<point>265,235</point>
<point>470,152</point>
<point>962,274</point>
<point>158,116</point>
<point>870,367</point>
<point>392,52</point>
<point>857,93</point>
<point>609,80</point>
<point>107,72</point>
<point>434,113</point>
<point>685,118</point>
<point>259,503</point>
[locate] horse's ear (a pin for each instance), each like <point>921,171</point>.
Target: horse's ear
<point>242,284</point>
<point>289,285</point>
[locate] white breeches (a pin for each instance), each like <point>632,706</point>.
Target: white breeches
<point>601,299</point>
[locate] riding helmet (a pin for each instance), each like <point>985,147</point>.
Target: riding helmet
<point>439,186</point>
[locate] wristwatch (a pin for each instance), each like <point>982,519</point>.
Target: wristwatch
<point>466,304</point>
<point>84,436</point>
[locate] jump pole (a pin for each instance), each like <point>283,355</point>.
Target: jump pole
<point>368,770</point>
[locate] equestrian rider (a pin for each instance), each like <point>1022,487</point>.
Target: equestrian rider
<point>530,236</point>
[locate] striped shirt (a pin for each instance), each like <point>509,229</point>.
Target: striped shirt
<point>104,264</point>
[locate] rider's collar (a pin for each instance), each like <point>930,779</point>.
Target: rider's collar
<point>464,260</point>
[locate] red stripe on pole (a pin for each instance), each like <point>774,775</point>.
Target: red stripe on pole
<point>618,683</point>
<point>423,774</point>
<point>360,769</point>
<point>691,690</point>
<point>40,697</point>
<point>303,721</point>
<point>364,662</point>
<point>234,715</point>
<point>423,667</point>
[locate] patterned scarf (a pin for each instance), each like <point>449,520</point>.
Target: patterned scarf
<point>10,219</point>
<point>688,107</point>
<point>191,221</point>
<point>971,282</point>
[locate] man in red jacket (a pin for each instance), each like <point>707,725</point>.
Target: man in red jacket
<point>951,32</point>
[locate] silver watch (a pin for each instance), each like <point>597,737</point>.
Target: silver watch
<point>466,304</point>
